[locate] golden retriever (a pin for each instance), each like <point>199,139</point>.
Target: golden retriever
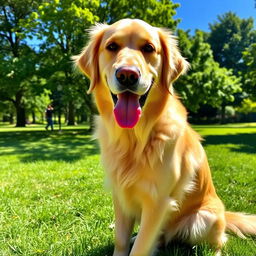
<point>154,161</point>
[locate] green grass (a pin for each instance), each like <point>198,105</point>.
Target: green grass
<point>52,200</point>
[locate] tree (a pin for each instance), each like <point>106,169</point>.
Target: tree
<point>228,38</point>
<point>61,26</point>
<point>206,82</point>
<point>36,104</point>
<point>247,106</point>
<point>18,60</point>
<point>249,58</point>
<point>157,13</point>
<point>7,111</point>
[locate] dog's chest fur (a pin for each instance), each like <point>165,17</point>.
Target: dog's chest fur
<point>139,171</point>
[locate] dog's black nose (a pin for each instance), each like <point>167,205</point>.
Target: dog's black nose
<point>127,76</point>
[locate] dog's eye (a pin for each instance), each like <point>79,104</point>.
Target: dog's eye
<point>148,48</point>
<point>112,47</point>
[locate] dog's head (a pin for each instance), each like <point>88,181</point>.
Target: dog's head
<point>129,57</point>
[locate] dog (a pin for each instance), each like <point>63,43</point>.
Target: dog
<point>154,161</point>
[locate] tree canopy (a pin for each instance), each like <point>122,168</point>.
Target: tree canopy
<point>249,58</point>
<point>37,39</point>
<point>229,37</point>
<point>18,59</point>
<point>206,82</point>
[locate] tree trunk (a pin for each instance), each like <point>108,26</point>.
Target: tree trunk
<point>71,113</point>
<point>83,117</point>
<point>42,117</point>
<point>92,113</point>
<point>20,110</point>
<point>59,119</point>
<point>33,117</point>
<point>223,114</point>
<point>21,116</point>
<point>11,120</point>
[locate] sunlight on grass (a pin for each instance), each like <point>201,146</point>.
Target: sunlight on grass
<point>53,200</point>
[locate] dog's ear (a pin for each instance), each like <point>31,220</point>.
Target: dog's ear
<point>88,59</point>
<point>173,64</point>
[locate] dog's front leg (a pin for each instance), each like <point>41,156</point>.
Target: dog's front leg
<point>123,230</point>
<point>152,220</point>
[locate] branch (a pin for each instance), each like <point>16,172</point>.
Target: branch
<point>9,31</point>
<point>4,35</point>
<point>61,42</point>
<point>6,98</point>
<point>8,23</point>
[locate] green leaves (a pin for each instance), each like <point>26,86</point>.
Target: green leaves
<point>59,29</point>
<point>249,77</point>
<point>157,13</point>
<point>63,22</point>
<point>206,82</point>
<point>229,37</point>
<point>247,106</point>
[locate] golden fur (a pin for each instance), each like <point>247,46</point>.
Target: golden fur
<point>158,170</point>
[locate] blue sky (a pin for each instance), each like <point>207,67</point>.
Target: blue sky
<point>197,14</point>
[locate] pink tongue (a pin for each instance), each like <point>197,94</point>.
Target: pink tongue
<point>127,110</point>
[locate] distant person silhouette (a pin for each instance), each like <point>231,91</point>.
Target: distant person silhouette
<point>48,115</point>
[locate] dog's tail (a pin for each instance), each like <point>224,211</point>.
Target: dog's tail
<point>240,224</point>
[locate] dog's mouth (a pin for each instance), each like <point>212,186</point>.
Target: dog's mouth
<point>142,98</point>
<point>128,108</point>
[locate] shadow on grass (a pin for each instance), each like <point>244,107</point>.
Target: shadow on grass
<point>177,248</point>
<point>70,145</point>
<point>243,142</point>
<point>106,250</point>
<point>173,249</point>
<point>225,126</point>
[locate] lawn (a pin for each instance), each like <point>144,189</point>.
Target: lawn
<point>53,201</point>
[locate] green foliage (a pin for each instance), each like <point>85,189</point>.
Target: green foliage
<point>18,60</point>
<point>229,37</point>
<point>39,102</point>
<point>249,57</point>
<point>17,72</point>
<point>157,13</point>
<point>14,15</point>
<point>206,82</point>
<point>247,106</point>
<point>59,28</point>
<point>231,40</point>
<point>62,24</point>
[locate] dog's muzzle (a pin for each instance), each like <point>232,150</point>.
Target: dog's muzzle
<point>128,77</point>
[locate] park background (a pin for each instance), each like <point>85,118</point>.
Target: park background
<point>51,183</point>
